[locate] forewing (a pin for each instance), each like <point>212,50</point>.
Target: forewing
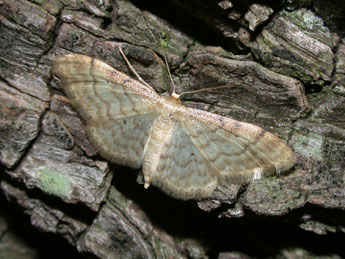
<point>118,110</point>
<point>182,171</point>
<point>98,90</point>
<point>238,152</point>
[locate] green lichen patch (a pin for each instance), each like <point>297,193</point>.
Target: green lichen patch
<point>310,145</point>
<point>275,196</point>
<point>54,182</point>
<point>164,43</point>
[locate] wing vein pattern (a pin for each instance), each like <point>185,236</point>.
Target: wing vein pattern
<point>118,111</point>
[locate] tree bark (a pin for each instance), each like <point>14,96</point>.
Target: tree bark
<point>284,65</point>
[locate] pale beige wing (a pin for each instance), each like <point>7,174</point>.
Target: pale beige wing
<point>238,152</point>
<point>182,171</point>
<point>118,110</point>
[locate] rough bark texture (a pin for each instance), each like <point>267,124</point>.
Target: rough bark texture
<point>284,65</point>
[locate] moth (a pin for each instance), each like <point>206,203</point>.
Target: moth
<point>186,152</point>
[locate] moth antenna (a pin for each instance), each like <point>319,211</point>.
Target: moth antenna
<point>132,69</point>
<point>206,89</point>
<point>173,88</point>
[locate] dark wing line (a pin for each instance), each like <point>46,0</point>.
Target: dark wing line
<point>250,152</point>
<point>220,121</point>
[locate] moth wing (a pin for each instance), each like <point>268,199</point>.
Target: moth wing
<point>182,171</point>
<point>237,152</point>
<point>118,110</point>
